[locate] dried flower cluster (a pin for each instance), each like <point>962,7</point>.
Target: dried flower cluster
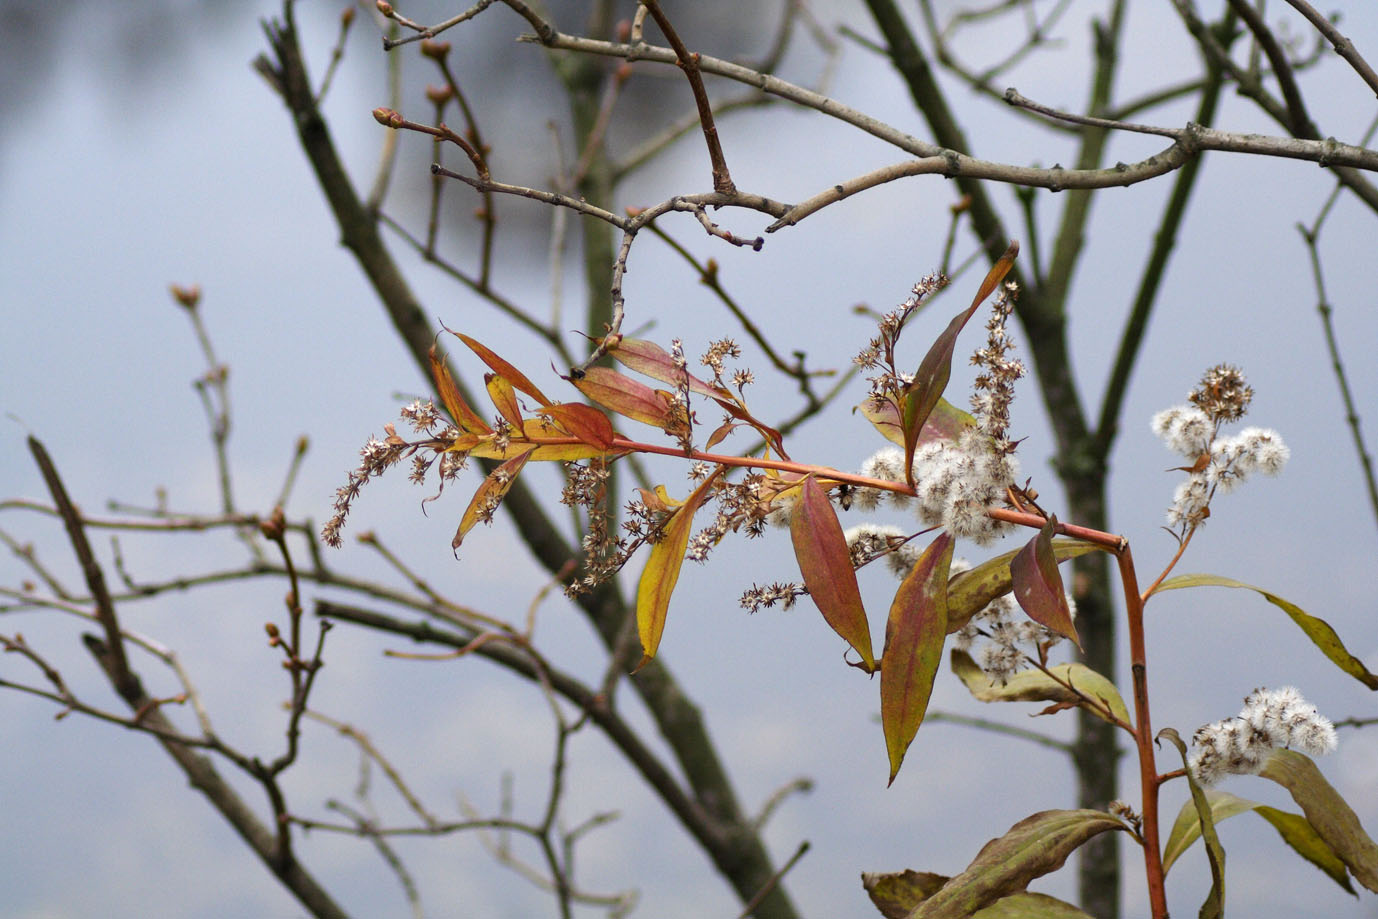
<point>994,384</point>
<point>1008,641</point>
<point>869,541</point>
<point>1218,463</point>
<point>879,353</point>
<point>1270,720</point>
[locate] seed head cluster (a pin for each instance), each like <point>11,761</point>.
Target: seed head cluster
<point>1270,720</point>
<point>1217,464</point>
<point>1003,641</point>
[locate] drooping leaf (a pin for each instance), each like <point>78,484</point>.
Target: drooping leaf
<point>719,434</point>
<point>1036,686</point>
<point>503,369</point>
<point>489,495</point>
<point>1214,905</point>
<point>504,399</point>
<point>898,894</point>
<point>1038,585</point>
<point>922,395</point>
<point>649,358</point>
<point>945,422</point>
<point>1298,833</point>
<point>1035,846</point>
<point>971,591</point>
<point>826,565</point>
<point>620,393</point>
<point>1186,829</point>
<point>535,430</point>
<point>584,422</point>
<point>737,410</point>
<point>1327,812</point>
<point>465,418</point>
<point>1318,630</point>
<point>661,573</point>
<point>914,636</point>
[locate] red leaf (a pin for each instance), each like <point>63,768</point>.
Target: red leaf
<point>930,380</point>
<point>826,565</point>
<point>619,393</point>
<point>503,369</point>
<point>914,636</point>
<point>651,359</point>
<point>1038,584</point>
<point>584,422</point>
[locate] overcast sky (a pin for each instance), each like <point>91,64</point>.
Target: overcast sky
<point>145,152</point>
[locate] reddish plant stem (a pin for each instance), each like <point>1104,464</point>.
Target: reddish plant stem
<point>1149,780</point>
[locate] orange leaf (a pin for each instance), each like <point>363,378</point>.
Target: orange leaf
<point>826,565</point>
<point>662,571</point>
<point>465,418</point>
<point>503,369</point>
<point>504,399</point>
<point>489,495</point>
<point>584,422</point>
<point>914,638</point>
<point>1038,584</point>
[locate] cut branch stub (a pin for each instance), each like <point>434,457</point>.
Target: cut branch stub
<point>914,636</point>
<point>826,566</point>
<point>922,395</point>
<point>1038,584</point>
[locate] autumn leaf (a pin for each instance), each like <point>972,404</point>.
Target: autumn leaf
<point>584,422</point>
<point>465,418</point>
<point>620,393</point>
<point>489,495</point>
<point>661,573</point>
<point>1038,585</point>
<point>826,565</point>
<point>503,369</point>
<point>971,591</point>
<point>914,636</point>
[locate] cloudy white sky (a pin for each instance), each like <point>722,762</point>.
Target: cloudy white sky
<point>142,151</point>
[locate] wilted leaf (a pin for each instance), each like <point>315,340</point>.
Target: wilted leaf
<point>914,636</point>
<point>503,369</point>
<point>922,395</point>
<point>620,393</point>
<point>661,573</point>
<point>897,895</point>
<point>1036,686</point>
<point>972,591</point>
<point>1214,906</point>
<point>504,399</point>
<point>1298,833</point>
<point>1038,585</point>
<point>1033,847</point>
<point>1318,630</point>
<point>945,422</point>
<point>489,495</point>
<point>719,434</point>
<point>1327,812</point>
<point>649,358</point>
<point>584,422</point>
<point>826,565</point>
<point>465,418</point>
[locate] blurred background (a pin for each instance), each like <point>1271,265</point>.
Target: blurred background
<point>139,149</point>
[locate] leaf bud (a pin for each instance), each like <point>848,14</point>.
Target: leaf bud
<point>435,50</point>
<point>385,8</point>
<point>439,94</point>
<point>272,630</point>
<point>388,118</point>
<point>347,17</point>
<point>187,296</point>
<point>624,30</point>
